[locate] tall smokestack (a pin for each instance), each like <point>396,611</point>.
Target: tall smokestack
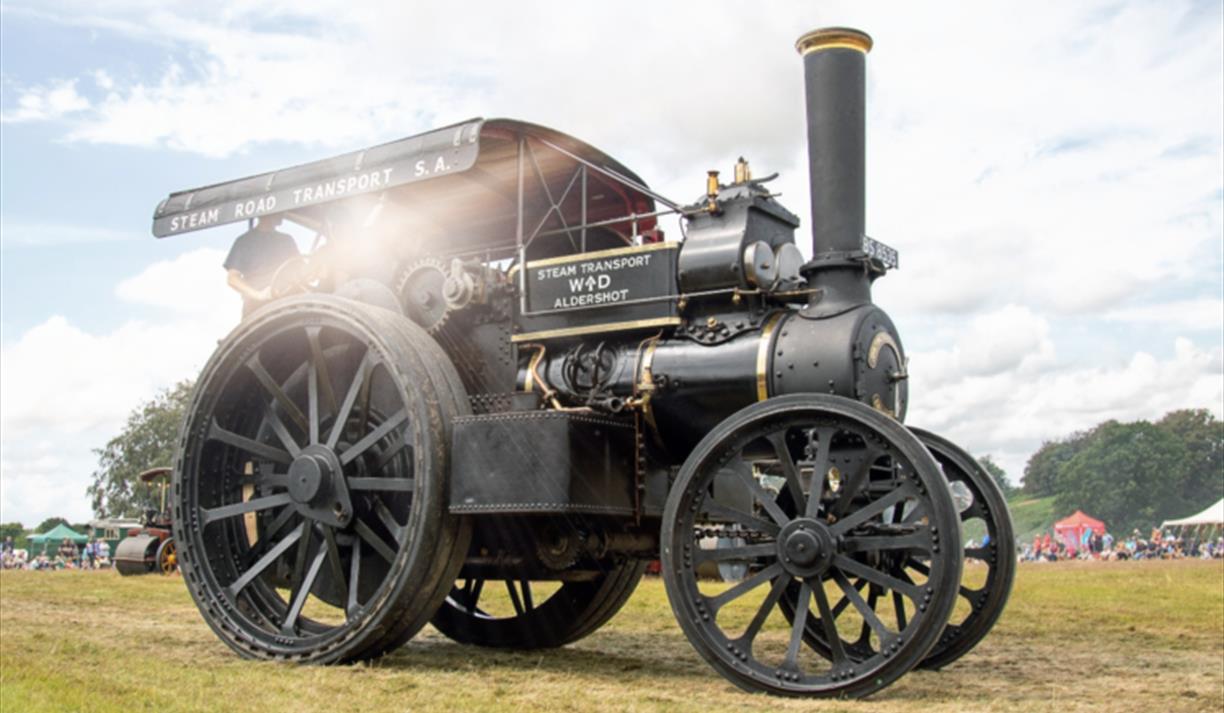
<point>834,68</point>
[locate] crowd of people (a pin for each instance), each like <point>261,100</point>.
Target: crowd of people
<point>1104,546</point>
<point>95,554</point>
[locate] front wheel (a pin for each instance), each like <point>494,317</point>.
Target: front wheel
<point>167,557</point>
<point>818,499</point>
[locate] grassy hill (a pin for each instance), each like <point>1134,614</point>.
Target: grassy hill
<point>1029,516</point>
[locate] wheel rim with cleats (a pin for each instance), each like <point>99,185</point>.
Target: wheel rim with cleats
<point>310,489</point>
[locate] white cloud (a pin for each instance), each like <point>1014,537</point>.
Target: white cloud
<point>67,390</point>
<point>1009,413</point>
<point>1033,177</point>
<point>1197,314</point>
<point>48,102</point>
<point>54,235</point>
<point>1011,340</point>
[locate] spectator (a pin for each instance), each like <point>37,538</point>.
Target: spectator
<point>104,553</point>
<point>7,548</point>
<point>67,551</point>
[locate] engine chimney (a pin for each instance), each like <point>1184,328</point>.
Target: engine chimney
<point>834,76</point>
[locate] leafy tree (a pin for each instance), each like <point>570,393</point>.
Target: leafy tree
<point>147,440</point>
<point>1127,474</point>
<point>1043,468</point>
<point>1203,436</point>
<point>14,530</point>
<point>50,524</point>
<point>1000,476</point>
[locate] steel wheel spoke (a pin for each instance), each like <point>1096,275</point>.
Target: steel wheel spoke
<point>827,621</point>
<point>820,470</point>
<point>916,541</point>
<point>875,576</point>
<point>918,567</point>
<point>730,553</point>
<point>276,392</point>
<point>714,509</point>
<point>320,363</point>
<point>388,520</point>
<point>796,638</point>
<point>527,603</point>
<point>299,600</point>
<point>763,612</point>
<point>282,433</point>
<point>333,558</point>
<point>312,401</point>
<point>472,589</point>
<point>354,577</point>
<point>789,470</point>
<point>868,511</point>
<point>391,453</point>
<point>359,377</point>
<point>856,481</point>
<point>267,480</point>
<point>255,448</point>
<point>262,563</point>
<point>272,530</point>
<point>373,437</point>
<point>865,609</point>
<point>767,502</point>
<point>899,607</point>
<point>514,597</point>
<point>399,485</point>
<point>303,552</point>
<point>717,602</point>
<point>364,532</point>
<point>252,505</point>
<point>976,553</point>
<point>844,602</point>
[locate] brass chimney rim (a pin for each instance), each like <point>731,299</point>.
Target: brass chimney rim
<point>827,38</point>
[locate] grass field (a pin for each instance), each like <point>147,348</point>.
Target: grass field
<point>1144,636</point>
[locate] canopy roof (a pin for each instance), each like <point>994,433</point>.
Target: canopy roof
<point>1213,515</point>
<point>460,186</point>
<point>58,533</point>
<point>1079,522</point>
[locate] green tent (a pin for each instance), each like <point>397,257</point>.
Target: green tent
<point>48,542</point>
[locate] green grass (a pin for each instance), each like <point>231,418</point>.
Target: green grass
<point>1077,636</point>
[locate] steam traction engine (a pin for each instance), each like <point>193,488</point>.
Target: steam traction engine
<point>494,391</point>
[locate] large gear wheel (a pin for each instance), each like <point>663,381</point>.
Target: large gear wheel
<point>420,289</point>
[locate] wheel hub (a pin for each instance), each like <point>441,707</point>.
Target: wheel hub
<point>805,547</point>
<point>317,486</point>
<point>307,474</point>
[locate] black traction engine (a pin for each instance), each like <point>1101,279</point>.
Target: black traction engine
<point>494,391</point>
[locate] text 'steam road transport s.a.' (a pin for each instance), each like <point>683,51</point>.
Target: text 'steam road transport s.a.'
<point>495,390</point>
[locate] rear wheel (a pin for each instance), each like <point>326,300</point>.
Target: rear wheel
<point>310,493</point>
<point>990,567</point>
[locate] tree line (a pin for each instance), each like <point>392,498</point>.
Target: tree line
<point>1133,475</point>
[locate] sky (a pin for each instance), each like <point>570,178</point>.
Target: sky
<point>1052,174</point>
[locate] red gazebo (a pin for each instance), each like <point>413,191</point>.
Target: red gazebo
<point>1071,529</point>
